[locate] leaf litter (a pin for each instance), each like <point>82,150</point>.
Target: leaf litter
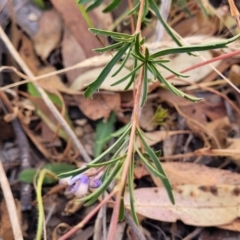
<point>209,136</point>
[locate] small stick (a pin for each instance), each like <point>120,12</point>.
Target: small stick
<point>11,207</point>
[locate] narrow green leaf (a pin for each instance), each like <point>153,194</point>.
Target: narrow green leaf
<point>145,85</point>
<point>159,61</point>
<point>98,82</point>
<point>123,40</point>
<point>152,70</point>
<point>106,172</point>
<point>94,5</point>
<point>146,54</point>
<point>146,10</point>
<point>194,48</point>
<point>123,62</point>
<point>120,131</point>
<point>28,175</point>
<point>119,144</point>
<point>178,74</point>
<point>131,190</point>
<point>108,48</point>
<point>110,33</point>
<point>111,148</point>
<point>148,165</point>
<point>122,209</point>
<point>94,196</point>
<point>138,46</point>
<point>111,6</point>
<point>138,57</point>
<point>90,165</point>
<point>127,76</point>
<point>157,163</point>
<point>154,7</point>
<point>103,130</point>
<point>72,173</point>
<point>122,149</point>
<point>172,88</point>
<point>133,76</point>
<point>134,9</point>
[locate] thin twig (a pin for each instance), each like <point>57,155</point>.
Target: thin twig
<point>11,207</point>
<point>45,97</point>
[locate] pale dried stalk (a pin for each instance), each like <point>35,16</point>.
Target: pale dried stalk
<point>45,97</point>
<point>11,207</point>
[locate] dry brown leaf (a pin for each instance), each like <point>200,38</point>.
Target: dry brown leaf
<point>100,106</point>
<point>198,205</point>
<point>72,54</point>
<point>28,55</point>
<point>197,25</point>
<point>146,119</point>
<point>53,83</point>
<point>185,173</point>
<point>234,74</point>
<point>74,20</point>
<point>49,33</point>
<point>234,144</point>
<point>180,173</point>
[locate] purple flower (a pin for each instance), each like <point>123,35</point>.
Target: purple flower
<point>80,184</point>
<point>95,183</point>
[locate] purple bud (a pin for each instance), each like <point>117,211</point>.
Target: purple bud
<point>95,183</point>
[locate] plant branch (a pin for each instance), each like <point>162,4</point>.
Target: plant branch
<point>135,119</point>
<point>45,97</point>
<point>131,17</point>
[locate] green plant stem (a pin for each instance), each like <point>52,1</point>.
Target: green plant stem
<point>135,120</point>
<point>40,202</point>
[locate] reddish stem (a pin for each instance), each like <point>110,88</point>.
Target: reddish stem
<point>87,218</point>
<point>135,118</point>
